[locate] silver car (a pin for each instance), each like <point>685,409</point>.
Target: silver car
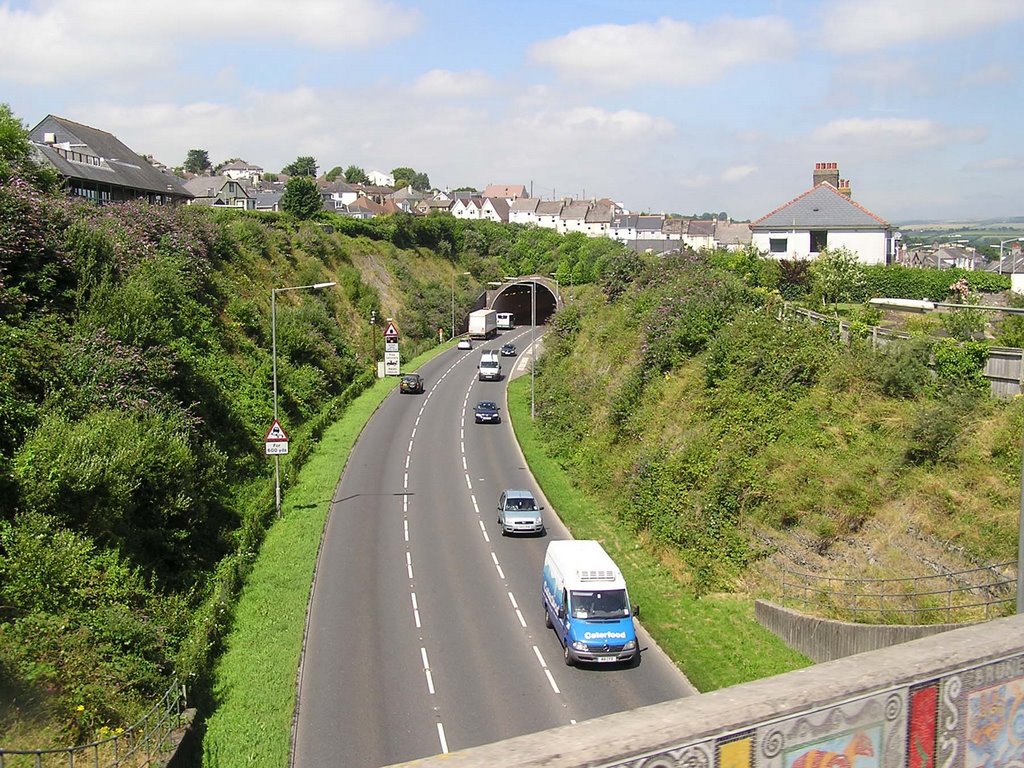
<point>518,512</point>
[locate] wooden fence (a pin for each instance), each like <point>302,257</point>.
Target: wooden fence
<point>1004,366</point>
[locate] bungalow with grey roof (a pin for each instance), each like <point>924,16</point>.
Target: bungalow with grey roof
<point>824,217</point>
<point>494,209</point>
<point>97,166</point>
<point>221,192</point>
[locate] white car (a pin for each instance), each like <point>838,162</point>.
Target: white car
<point>465,343</point>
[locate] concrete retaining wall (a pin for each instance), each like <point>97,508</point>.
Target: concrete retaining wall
<point>826,639</point>
<point>954,700</point>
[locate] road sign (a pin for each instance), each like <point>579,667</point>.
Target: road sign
<point>390,332</point>
<point>390,345</point>
<point>276,440</point>
<point>392,364</point>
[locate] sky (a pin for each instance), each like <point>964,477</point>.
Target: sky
<point>666,107</point>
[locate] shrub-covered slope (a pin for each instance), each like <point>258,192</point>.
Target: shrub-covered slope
<point>741,443</point>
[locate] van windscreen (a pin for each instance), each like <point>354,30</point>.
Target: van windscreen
<point>609,604</point>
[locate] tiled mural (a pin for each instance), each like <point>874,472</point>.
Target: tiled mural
<point>971,719</point>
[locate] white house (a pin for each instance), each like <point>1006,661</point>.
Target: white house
<point>573,217</point>
<point>467,207</point>
<point>523,211</point>
<point>548,214</point>
<point>494,209</point>
<point>823,217</point>
<point>239,169</point>
<point>379,179</point>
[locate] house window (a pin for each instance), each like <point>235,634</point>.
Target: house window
<point>819,240</point>
<point>778,244</point>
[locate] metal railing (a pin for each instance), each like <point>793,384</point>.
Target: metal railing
<point>975,594</point>
<point>146,744</point>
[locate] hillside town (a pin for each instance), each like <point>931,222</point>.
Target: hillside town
<point>98,166</point>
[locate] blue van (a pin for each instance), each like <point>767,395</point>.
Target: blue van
<point>586,603</point>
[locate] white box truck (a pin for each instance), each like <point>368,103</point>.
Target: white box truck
<point>483,324</point>
<point>586,603</point>
<point>505,321</point>
<point>489,368</point>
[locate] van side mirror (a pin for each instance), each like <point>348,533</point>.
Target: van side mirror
<point>561,611</point>
<point>636,609</point>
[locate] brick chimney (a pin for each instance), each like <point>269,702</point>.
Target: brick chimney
<point>826,172</point>
<point>844,187</point>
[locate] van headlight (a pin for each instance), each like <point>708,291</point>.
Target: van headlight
<point>629,646</point>
<point>579,645</point>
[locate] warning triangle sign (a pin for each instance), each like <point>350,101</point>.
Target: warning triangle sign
<point>390,330</point>
<point>275,434</point>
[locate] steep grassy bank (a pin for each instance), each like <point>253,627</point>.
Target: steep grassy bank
<point>743,444</point>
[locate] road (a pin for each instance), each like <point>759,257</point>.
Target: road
<point>426,632</point>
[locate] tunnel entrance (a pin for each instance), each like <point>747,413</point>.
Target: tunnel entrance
<point>517,298</point>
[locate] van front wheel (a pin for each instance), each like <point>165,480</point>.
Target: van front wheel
<point>547,619</point>
<point>567,655</point>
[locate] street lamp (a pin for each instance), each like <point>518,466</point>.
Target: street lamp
<point>533,347</point>
<point>1001,244</point>
<point>273,363</point>
<point>453,300</point>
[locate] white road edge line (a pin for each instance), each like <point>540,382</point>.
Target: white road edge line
<point>444,742</point>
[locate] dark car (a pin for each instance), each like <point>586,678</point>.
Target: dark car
<point>412,383</point>
<point>508,350</point>
<point>486,412</point>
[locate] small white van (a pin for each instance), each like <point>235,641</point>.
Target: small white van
<point>586,603</point>
<point>489,368</point>
<point>505,322</point>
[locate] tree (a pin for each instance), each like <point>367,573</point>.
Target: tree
<point>16,153</point>
<point>302,166</point>
<point>197,161</point>
<point>301,197</point>
<point>837,275</point>
<point>334,173</point>
<point>409,177</point>
<point>356,175</point>
<point>470,190</point>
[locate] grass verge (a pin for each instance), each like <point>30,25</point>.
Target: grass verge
<point>255,677</point>
<point>715,640</point>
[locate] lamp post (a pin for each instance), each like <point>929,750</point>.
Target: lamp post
<point>1001,244</point>
<point>453,300</point>
<point>273,363</point>
<point>533,347</point>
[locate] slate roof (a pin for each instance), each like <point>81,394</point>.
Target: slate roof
<point>500,206</point>
<point>625,221</point>
<point>600,213</point>
<point>112,162</point>
<point>575,211</point>
<point>821,207</point>
<point>675,226</point>
<point>701,228</point>
<point>649,223</point>
<point>549,208</point>
<point>525,205</point>
<point>732,233</point>
<point>206,186</point>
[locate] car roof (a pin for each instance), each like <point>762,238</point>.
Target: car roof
<point>486,404</point>
<point>517,493</point>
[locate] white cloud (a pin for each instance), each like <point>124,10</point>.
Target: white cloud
<point>738,172</point>
<point>666,51</point>
<point>891,134</point>
<point>852,26</point>
<point>85,40</point>
<point>994,74</point>
<point>443,83</point>
<point>1006,163</point>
